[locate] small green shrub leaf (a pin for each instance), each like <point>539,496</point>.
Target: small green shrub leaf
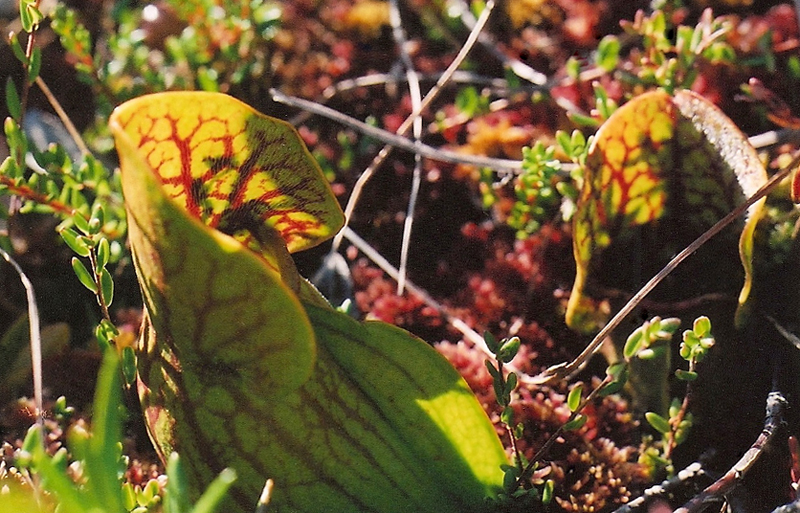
<point>492,369</point>
<point>574,397</point>
<point>25,17</point>
<point>16,47</point>
<point>511,382</point>
<point>674,407</point>
<point>547,491</point>
<point>634,343</point>
<point>608,53</point>
<point>690,338</point>
<point>75,242</point>
<point>103,252</point>
<point>507,417</point>
<point>510,479</point>
<point>508,349</point>
<point>80,222</point>
<point>564,141</point>
<point>83,275</point>
<point>670,325</point>
<point>128,496</point>
<point>576,423</point>
<point>107,284</point>
<point>12,100</point>
<point>35,64</point>
<point>618,371</point>
<point>685,375</point>
<point>702,326</point>
<point>491,342</point>
<point>658,422</point>
<point>128,365</point>
<point>98,214</point>
<point>611,388</point>
<point>583,120</point>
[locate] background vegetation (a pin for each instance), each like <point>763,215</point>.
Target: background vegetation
<point>490,246</point>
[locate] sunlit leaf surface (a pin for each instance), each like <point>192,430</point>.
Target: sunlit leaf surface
<point>234,169</point>
<point>237,368</point>
<point>661,170</point>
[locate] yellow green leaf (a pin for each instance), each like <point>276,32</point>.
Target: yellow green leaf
<point>232,167</point>
<point>241,365</point>
<point>661,170</point>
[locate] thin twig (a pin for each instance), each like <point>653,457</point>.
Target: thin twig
<point>36,338</point>
<point>788,335</point>
<point>499,165</point>
<point>416,104</point>
<point>675,422</point>
<point>776,406</point>
<point>63,116</point>
<point>558,372</point>
<point>518,67</point>
<point>774,137</point>
<point>27,193</point>
<point>665,489</point>
<point>499,85</point>
<point>26,84</point>
<point>406,125</point>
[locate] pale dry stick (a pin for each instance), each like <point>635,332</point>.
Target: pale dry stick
<point>459,76</point>
<point>786,334</point>
<point>36,338</point>
<point>563,370</point>
<point>776,406</point>
<point>427,151</point>
<point>775,137</point>
<point>665,489</point>
<point>406,125</point>
<point>519,68</point>
<point>63,116</point>
<point>416,105</point>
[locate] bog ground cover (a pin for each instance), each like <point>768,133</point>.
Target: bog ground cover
<point>395,256</point>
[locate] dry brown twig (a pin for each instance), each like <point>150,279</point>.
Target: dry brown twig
<point>776,406</point>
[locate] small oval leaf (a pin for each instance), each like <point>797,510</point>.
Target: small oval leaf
<point>511,382</point>
<point>658,422</point>
<point>75,242</point>
<point>107,284</point>
<point>508,349</point>
<point>12,100</point>
<point>103,252</point>
<point>35,64</point>
<point>702,326</point>
<point>634,343</point>
<point>574,397</point>
<point>576,423</point>
<point>84,275</point>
